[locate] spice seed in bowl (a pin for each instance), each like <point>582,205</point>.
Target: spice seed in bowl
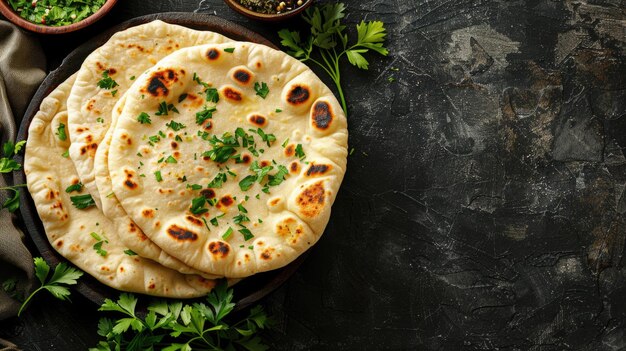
<point>271,6</point>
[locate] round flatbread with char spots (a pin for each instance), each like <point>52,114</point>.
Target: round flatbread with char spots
<point>229,157</point>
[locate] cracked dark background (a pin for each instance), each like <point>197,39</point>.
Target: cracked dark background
<point>484,206</point>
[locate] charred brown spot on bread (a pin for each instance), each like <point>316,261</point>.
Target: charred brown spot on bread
<point>151,286</point>
<point>219,248</point>
<point>148,213</point>
<point>89,149</point>
<point>50,195</point>
<point>207,283</point>
<point>294,167</point>
<point>174,144</point>
<point>317,170</point>
<point>207,193</point>
<point>265,163</point>
<point>242,76</point>
<point>121,269</point>
<point>259,64</point>
<point>322,115</point>
<point>290,150</point>
<point>208,125</point>
<point>165,191</point>
<point>89,138</point>
<point>232,94</point>
<point>59,243</point>
<point>176,154</point>
<point>181,234</point>
<point>246,159</point>
<point>130,184</point>
<point>159,82</point>
<point>157,224</point>
<point>311,201</point>
<point>129,141</point>
<point>132,227</point>
<point>257,120</point>
<point>100,66</point>
<point>275,201</point>
<point>213,54</point>
<point>298,95</point>
<point>194,220</point>
<point>226,201</point>
<point>112,71</point>
<point>80,130</point>
<point>267,254</point>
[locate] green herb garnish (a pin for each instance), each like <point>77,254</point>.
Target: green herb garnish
<point>82,201</point>
<point>74,187</point>
<point>144,118</point>
<point>107,82</point>
<point>261,89</point>
<point>175,326</point>
<point>175,126</point>
<point>63,275</point>
<point>61,132</point>
<point>230,50</point>
<point>158,176</point>
<point>197,205</point>
<point>205,114</point>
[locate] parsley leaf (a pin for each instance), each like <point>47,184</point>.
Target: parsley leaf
<point>144,118</point>
<point>158,176</point>
<point>107,82</point>
<point>205,114</point>
<point>197,205</point>
<point>247,234</point>
<point>61,132</point>
<point>212,95</point>
<point>227,233</point>
<point>247,182</point>
<point>261,89</point>
<point>63,275</point>
<point>130,252</point>
<point>217,182</point>
<point>74,187</point>
<point>82,201</point>
<point>175,125</point>
<point>174,326</point>
<point>299,152</point>
<point>229,50</point>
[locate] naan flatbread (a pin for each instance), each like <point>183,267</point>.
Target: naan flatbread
<point>195,207</point>
<point>125,56</point>
<point>70,229</point>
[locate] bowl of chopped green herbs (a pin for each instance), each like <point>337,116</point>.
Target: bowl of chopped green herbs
<point>54,16</point>
<point>269,10</point>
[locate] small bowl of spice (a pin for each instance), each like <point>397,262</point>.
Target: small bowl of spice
<point>54,16</point>
<point>269,10</point>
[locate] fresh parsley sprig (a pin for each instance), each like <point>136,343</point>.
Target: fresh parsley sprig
<point>174,326</point>
<point>63,275</point>
<point>8,164</point>
<point>328,40</point>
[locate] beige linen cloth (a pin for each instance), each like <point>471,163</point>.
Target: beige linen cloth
<point>22,68</point>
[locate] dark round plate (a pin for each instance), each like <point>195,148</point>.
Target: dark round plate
<point>247,291</point>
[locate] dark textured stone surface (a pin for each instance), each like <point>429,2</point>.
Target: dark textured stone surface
<point>484,204</point>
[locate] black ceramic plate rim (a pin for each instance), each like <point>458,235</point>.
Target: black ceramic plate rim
<point>247,291</point>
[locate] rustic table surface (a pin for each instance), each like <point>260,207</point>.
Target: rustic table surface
<point>484,205</point>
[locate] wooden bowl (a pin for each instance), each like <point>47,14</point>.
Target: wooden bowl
<point>14,17</point>
<point>235,5</point>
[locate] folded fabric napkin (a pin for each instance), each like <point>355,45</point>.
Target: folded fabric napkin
<point>22,68</point>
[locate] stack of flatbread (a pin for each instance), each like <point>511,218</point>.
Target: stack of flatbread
<point>177,157</point>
